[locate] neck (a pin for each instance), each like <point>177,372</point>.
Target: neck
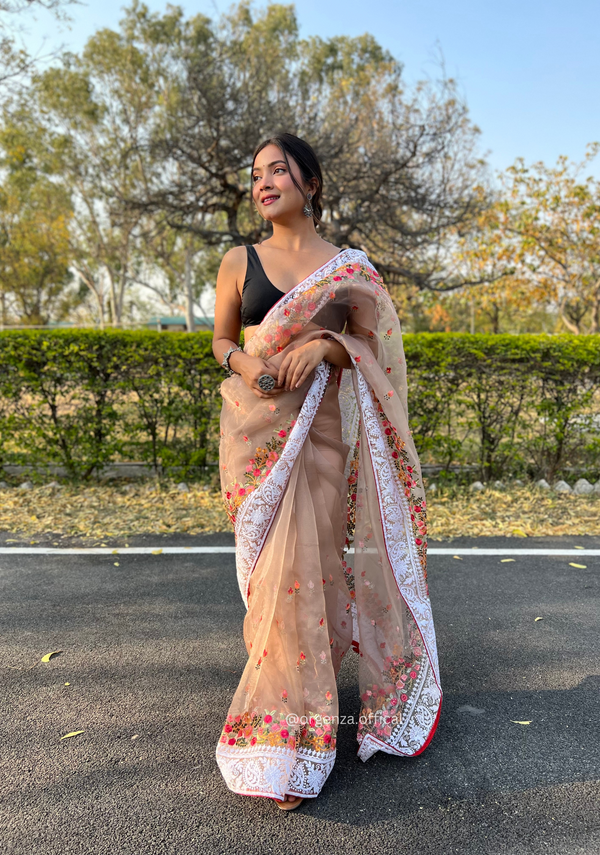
<point>296,236</point>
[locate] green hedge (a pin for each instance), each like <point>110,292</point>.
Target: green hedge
<point>84,398</point>
<point>518,405</point>
<point>511,404</point>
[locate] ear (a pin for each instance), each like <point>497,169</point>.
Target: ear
<point>312,186</point>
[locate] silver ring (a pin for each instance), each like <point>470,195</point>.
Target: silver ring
<point>266,382</point>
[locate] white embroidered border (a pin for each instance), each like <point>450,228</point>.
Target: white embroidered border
<point>258,511</point>
<point>414,730</point>
<point>267,770</point>
<point>422,705</point>
<point>321,273</point>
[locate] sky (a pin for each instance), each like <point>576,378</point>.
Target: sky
<point>529,71</point>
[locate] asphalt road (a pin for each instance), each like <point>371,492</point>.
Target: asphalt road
<point>152,652</point>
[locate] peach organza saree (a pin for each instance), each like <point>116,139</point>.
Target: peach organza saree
<point>323,486</point>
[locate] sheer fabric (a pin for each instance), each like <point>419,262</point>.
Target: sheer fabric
<point>323,486</point>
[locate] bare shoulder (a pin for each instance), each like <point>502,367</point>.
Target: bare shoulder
<point>234,258</point>
<point>232,271</point>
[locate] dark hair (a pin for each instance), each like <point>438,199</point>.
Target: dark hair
<point>308,164</point>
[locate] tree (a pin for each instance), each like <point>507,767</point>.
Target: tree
<point>15,62</point>
<point>401,167</point>
<point>552,216</point>
<point>92,110</point>
<point>34,239</point>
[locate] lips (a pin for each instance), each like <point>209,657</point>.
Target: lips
<point>269,199</point>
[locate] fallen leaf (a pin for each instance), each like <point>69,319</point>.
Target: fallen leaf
<point>538,618</point>
<point>519,532</point>
<point>109,516</point>
<point>458,558</point>
<point>579,566</point>
<point>506,560</point>
<point>115,552</point>
<point>157,552</point>
<point>520,722</point>
<point>46,657</point>
<point>67,684</point>
<point>117,564</point>
<point>580,547</point>
<point>73,733</point>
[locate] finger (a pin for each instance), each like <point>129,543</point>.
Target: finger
<point>302,378</point>
<point>300,370</point>
<point>283,368</point>
<point>285,378</point>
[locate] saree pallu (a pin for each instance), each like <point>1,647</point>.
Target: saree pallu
<point>323,486</point>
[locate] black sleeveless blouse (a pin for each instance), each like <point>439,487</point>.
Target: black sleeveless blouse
<point>258,294</point>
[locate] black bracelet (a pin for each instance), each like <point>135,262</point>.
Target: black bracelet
<point>225,362</point>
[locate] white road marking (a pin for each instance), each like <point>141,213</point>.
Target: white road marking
<point>208,550</point>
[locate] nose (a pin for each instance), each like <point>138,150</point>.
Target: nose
<point>264,183</point>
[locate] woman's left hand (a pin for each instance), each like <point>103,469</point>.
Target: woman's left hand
<point>298,364</point>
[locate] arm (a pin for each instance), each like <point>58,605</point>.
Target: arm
<point>336,353</point>
<point>298,364</point>
<point>227,306</point>
<point>228,324</point>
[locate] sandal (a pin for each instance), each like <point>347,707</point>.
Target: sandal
<point>287,804</point>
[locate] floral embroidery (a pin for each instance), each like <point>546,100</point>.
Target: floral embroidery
<point>349,582</point>
<point>406,475</point>
<point>251,728</point>
<point>258,468</point>
<point>304,306</point>
<point>351,503</point>
<point>383,702</point>
<point>271,728</point>
<point>317,735</point>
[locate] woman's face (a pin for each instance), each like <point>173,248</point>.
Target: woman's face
<point>274,193</point>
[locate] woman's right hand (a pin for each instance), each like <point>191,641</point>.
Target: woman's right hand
<point>250,368</point>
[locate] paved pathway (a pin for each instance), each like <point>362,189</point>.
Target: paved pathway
<point>152,652</point>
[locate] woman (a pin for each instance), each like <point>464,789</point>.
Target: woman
<point>314,460</point>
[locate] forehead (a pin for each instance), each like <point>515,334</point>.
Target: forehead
<point>269,154</point>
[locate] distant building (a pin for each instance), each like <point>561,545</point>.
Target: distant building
<point>177,323</point>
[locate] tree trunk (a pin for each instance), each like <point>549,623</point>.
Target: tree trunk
<point>189,314</point>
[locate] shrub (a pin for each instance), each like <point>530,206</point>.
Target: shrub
<point>526,404</point>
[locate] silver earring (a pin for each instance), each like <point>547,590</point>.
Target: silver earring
<point>307,210</point>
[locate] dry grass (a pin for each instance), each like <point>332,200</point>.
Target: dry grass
<point>515,513</point>
<point>109,511</point>
<point>106,511</point>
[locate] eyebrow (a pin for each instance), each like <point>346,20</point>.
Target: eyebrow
<point>273,162</point>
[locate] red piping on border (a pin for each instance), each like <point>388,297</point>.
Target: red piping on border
<point>425,744</point>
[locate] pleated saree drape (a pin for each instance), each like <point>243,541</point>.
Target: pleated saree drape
<point>323,486</point>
